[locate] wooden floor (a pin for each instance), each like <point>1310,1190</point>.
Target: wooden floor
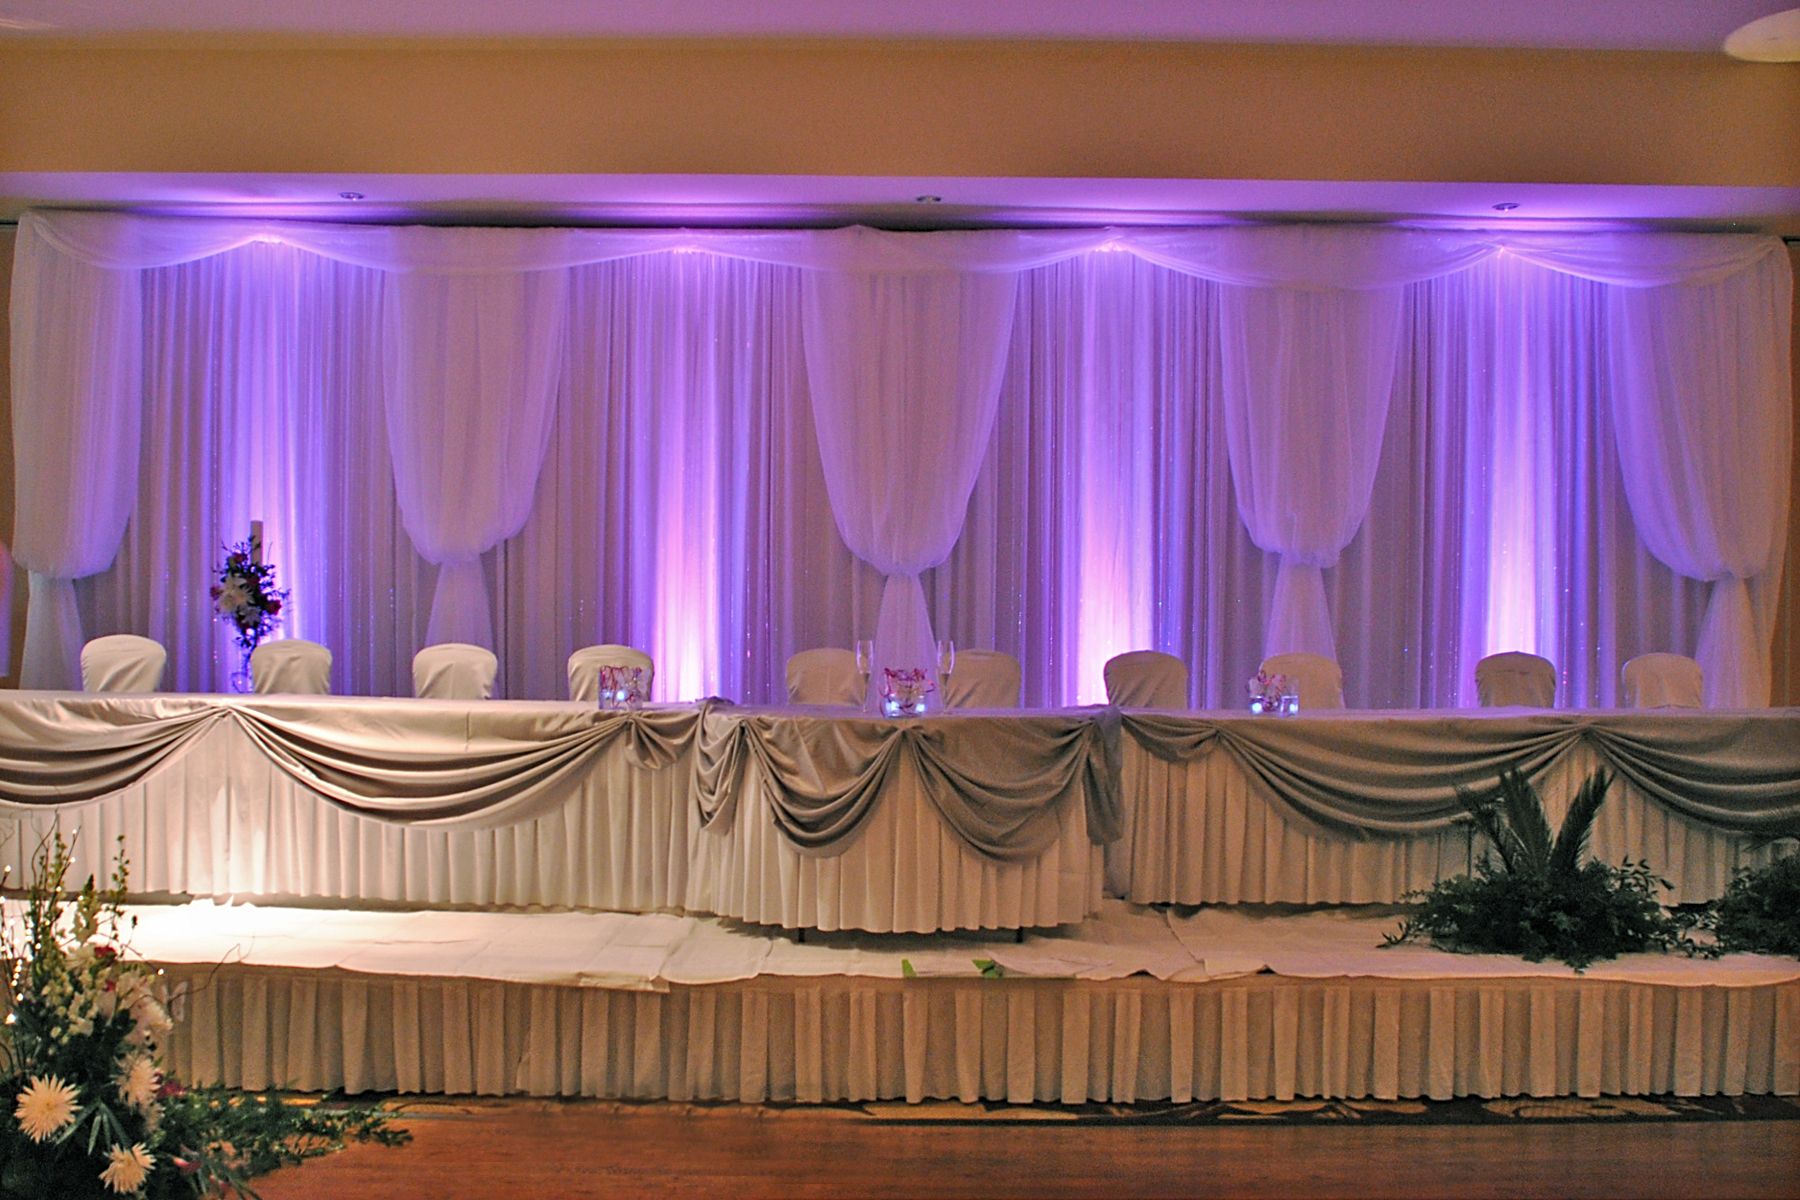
<point>531,1148</point>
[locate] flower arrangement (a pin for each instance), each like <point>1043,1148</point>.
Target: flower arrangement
<point>1273,693</point>
<point>245,594</point>
<point>623,687</point>
<point>92,1112</point>
<point>903,693</point>
<point>1540,900</point>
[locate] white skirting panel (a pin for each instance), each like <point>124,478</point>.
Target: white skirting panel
<point>905,872</point>
<point>1205,832</point>
<point>847,1038</point>
<point>221,820</point>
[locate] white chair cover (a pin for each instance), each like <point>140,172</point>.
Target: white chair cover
<point>1663,681</point>
<point>983,679</point>
<point>1319,679</point>
<point>454,671</point>
<point>122,662</point>
<point>585,664</point>
<point>1146,679</point>
<point>291,666</point>
<point>1515,680</point>
<point>825,676</point>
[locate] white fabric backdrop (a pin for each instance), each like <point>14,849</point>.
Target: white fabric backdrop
<point>472,363</point>
<point>905,372</point>
<point>1102,517</point>
<point>1709,484</point>
<point>1307,375</point>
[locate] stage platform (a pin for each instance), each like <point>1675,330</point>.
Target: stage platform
<point>1134,1004</point>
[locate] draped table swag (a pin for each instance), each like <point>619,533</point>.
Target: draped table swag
<point>1000,780</point>
<point>674,807</point>
<point>418,762</point>
<point>1364,774</point>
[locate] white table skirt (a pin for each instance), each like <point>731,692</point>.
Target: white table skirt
<point>221,820</point>
<point>1206,832</point>
<point>905,872</point>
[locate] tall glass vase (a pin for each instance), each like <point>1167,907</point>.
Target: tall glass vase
<point>241,679</point>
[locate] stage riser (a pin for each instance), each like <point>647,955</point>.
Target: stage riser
<point>1020,1041</point>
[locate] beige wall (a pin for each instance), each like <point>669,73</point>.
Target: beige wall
<point>923,109</point>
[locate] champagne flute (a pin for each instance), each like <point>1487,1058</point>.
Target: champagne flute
<point>865,661</point>
<point>946,665</point>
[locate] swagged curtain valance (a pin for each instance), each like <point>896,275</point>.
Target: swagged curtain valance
<point>904,334</point>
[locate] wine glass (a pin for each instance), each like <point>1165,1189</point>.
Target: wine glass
<point>946,665</point>
<point>865,661</point>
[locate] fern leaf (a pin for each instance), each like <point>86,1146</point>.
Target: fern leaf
<point>1578,825</point>
<point>1525,819</point>
<point>1483,809</point>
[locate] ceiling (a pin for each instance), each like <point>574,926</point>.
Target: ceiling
<point>1690,25</point>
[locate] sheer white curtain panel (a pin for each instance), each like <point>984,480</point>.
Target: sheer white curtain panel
<point>77,384</point>
<point>904,369</point>
<point>473,359</point>
<point>1705,434</point>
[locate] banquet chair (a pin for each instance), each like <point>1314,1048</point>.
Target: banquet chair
<point>585,664</point>
<point>1146,679</point>
<point>1319,679</point>
<point>1513,679</point>
<point>291,666</point>
<point>825,676</point>
<point>983,679</point>
<point>122,662</point>
<point>454,671</point>
<point>1663,681</point>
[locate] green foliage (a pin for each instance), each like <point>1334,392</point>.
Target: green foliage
<point>1540,901</point>
<point>227,1138</point>
<point>1760,910</point>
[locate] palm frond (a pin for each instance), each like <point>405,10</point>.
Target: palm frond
<point>1578,825</point>
<point>1483,807</point>
<point>1524,815</point>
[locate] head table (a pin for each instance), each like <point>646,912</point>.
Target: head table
<point>835,819</point>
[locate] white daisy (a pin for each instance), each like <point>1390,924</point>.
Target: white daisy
<point>138,1081</point>
<point>45,1106</point>
<point>126,1170</point>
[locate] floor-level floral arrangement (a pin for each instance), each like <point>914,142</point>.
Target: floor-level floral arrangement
<point>93,1112</point>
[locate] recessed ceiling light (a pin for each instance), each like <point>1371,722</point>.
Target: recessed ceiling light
<point>1506,206</point>
<point>350,196</point>
<point>928,198</point>
<point>1774,38</point>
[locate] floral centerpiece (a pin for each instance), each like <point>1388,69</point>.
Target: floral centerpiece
<point>88,1110</point>
<point>904,693</point>
<point>244,595</point>
<point>1273,693</point>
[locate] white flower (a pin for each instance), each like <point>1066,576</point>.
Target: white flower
<point>127,1169</point>
<point>138,1081</point>
<point>45,1106</point>
<point>152,1021</point>
<point>232,597</point>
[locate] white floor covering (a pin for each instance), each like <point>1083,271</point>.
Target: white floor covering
<point>652,952</point>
